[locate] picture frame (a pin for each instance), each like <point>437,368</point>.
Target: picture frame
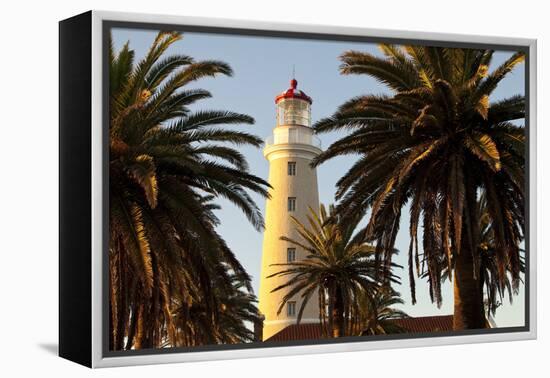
<point>84,188</point>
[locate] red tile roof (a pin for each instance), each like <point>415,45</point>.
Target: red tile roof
<point>306,331</point>
<point>426,324</point>
<point>311,331</point>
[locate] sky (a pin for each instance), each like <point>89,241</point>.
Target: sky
<point>262,69</point>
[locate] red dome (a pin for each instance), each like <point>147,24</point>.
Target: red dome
<point>292,92</point>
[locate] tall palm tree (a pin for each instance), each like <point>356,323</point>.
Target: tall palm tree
<point>167,167</point>
<point>339,267</point>
<point>435,142</point>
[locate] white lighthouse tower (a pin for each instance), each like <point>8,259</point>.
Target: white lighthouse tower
<point>289,152</point>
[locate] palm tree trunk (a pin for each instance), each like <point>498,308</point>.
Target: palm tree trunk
<point>139,335</point>
<point>468,294</point>
<point>154,332</point>
<point>338,313</point>
<point>122,300</point>
<point>112,307</point>
<point>323,312</point>
<point>468,287</point>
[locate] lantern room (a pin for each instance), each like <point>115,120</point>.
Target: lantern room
<point>293,107</point>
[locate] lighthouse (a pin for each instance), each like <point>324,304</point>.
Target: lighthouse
<point>289,151</point>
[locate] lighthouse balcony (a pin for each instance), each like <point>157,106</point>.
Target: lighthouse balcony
<point>293,138</point>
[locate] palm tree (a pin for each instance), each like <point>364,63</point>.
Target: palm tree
<point>339,267</point>
<point>236,308</point>
<point>378,313</point>
<point>434,144</point>
<point>167,166</point>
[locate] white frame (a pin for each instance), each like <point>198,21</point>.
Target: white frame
<point>97,201</point>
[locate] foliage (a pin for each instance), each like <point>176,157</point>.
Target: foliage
<point>436,143</point>
<point>379,313</point>
<point>173,279</point>
<point>340,268</point>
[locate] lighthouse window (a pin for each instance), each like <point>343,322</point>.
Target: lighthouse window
<point>292,168</point>
<point>291,203</point>
<point>291,308</point>
<point>290,254</point>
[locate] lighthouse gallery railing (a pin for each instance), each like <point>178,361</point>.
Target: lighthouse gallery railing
<point>311,140</point>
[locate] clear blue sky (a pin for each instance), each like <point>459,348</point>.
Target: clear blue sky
<point>262,69</point>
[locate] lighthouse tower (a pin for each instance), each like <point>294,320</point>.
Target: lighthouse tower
<point>289,152</point>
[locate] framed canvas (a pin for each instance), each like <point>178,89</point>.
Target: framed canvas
<point>234,189</point>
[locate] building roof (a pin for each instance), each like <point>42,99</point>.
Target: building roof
<point>423,324</point>
<point>293,92</point>
<point>426,324</point>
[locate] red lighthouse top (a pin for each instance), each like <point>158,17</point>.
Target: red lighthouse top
<point>292,92</point>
